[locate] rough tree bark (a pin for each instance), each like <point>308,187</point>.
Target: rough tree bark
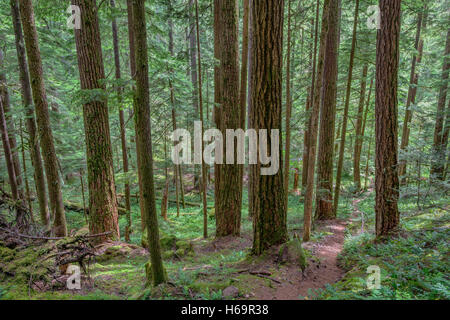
<point>43,119</point>
<point>386,126</point>
<point>103,215</point>
<point>268,209</point>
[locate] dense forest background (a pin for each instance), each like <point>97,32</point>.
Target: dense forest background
<point>377,193</point>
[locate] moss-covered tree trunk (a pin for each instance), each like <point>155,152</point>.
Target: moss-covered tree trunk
<point>324,199</point>
<point>228,196</point>
<point>143,129</point>
<point>133,73</point>
<point>386,112</point>
<point>268,209</point>
<point>43,119</point>
<point>103,215</point>
<point>27,100</point>
<point>123,138</point>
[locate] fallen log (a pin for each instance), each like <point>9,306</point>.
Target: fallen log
<point>72,206</point>
<point>189,203</point>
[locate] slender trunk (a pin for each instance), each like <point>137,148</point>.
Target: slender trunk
<point>24,164</point>
<point>309,106</point>
<point>340,164</point>
<point>412,90</point>
<point>359,134</point>
<point>324,200</point>
<point>244,78</point>
<point>103,212</point>
<point>200,99</point>
<point>8,153</point>
<point>123,138</point>
<point>366,176</point>
<point>386,131</point>
<point>439,144</point>
<point>11,128</point>
<point>269,211</point>
<point>288,112</point>
<point>27,101</point>
<point>143,129</point>
<point>43,119</point>
<point>133,74</point>
<point>315,109</point>
<point>194,75</point>
<point>251,179</point>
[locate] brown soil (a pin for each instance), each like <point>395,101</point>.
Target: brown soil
<point>321,271</point>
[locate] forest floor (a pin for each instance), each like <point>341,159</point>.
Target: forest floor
<point>415,265</point>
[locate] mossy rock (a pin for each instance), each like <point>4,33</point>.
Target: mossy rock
<point>292,252</point>
<point>167,241</point>
<point>206,287</point>
<point>114,252</point>
<point>149,275</point>
<point>169,254</point>
<point>180,253</point>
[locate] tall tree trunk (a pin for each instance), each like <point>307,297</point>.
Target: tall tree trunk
<point>194,75</point>
<point>386,128</point>
<point>176,167</point>
<point>340,164</point>
<point>133,74</point>
<point>268,209</point>
<point>200,99</point>
<point>228,197</point>
<point>359,134</point>
<point>313,58</point>
<point>314,121</point>
<point>251,179</point>
<point>244,78</point>
<point>143,129</point>
<point>42,117</point>
<point>412,90</point>
<point>438,163</point>
<point>103,213</point>
<point>123,138</point>
<point>27,101</point>
<point>324,201</point>
<point>288,112</point>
